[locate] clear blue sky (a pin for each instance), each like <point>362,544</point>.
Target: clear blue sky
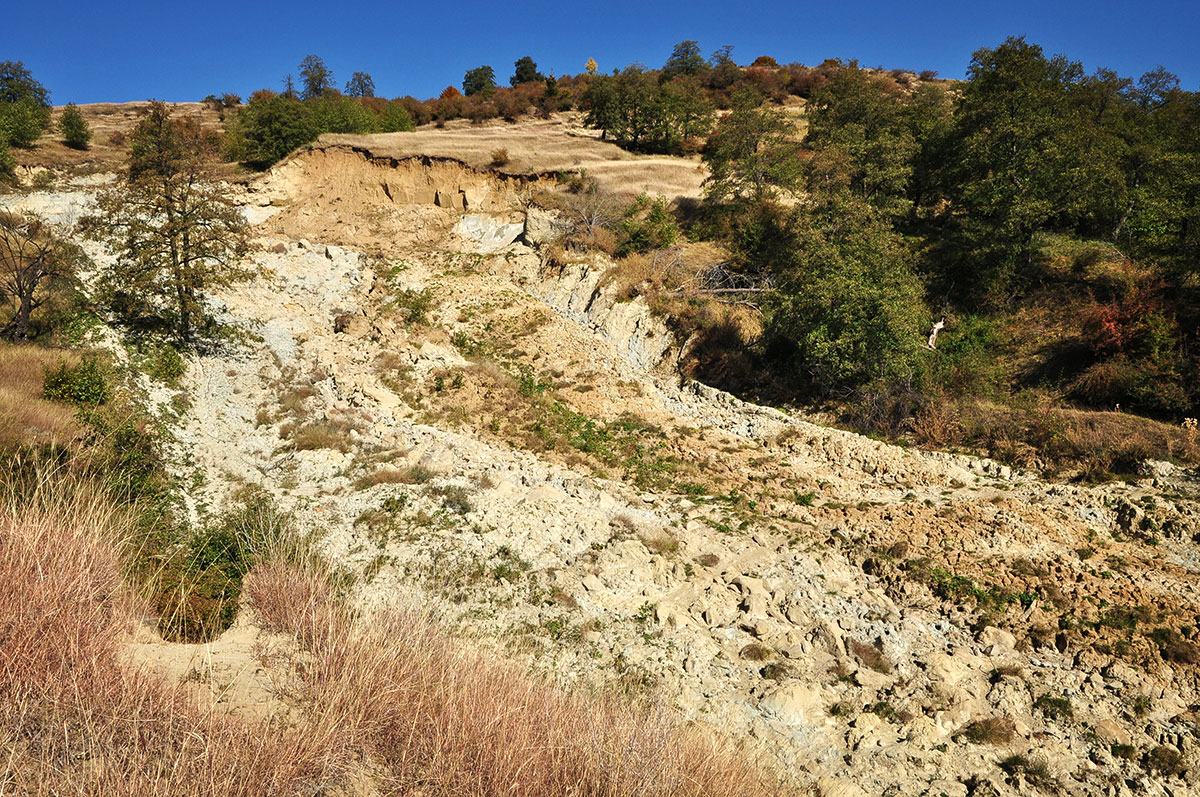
<point>96,51</point>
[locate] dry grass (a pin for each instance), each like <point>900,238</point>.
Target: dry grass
<point>990,730</point>
<point>447,721</point>
<point>24,415</point>
<point>110,123</point>
<point>1095,445</point>
<point>539,147</point>
<point>393,701</point>
<point>73,718</point>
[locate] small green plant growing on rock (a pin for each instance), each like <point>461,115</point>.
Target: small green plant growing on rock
<point>1055,708</point>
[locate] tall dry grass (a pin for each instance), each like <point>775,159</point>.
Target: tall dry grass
<point>73,718</point>
<point>443,720</point>
<point>388,695</point>
<point>24,415</point>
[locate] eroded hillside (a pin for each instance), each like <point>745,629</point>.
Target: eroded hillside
<point>463,424</point>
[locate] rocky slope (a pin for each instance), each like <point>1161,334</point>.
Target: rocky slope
<point>462,426</point>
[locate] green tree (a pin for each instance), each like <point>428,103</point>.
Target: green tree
<point>360,85</point>
<point>316,77</point>
<point>24,105</point>
<point>1020,157</point>
<point>74,127</point>
<point>635,111</point>
<point>846,298</point>
<point>480,80</point>
<point>267,129</point>
<point>525,71</point>
<point>177,234</point>
<point>685,60</point>
<point>857,113</point>
<point>753,154</point>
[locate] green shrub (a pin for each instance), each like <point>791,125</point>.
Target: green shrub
<point>1054,708</point>
<point>394,117</point>
<point>84,385</point>
<point>197,593</point>
<point>416,303</point>
<point>648,225</point>
<point>22,122</point>
<point>848,301</point>
<point>74,128</point>
<point>8,163</point>
<point>1165,761</point>
<point>166,364</point>
<point>267,129</point>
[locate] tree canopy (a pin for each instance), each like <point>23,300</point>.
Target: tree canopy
<point>315,76</point>
<point>525,71</point>
<point>480,80</point>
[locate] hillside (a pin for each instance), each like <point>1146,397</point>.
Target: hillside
<point>466,417</point>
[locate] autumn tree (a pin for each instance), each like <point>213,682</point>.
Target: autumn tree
<point>175,231</point>
<point>33,259</point>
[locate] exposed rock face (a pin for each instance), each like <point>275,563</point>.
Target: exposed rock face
<point>851,610</point>
<point>488,233</point>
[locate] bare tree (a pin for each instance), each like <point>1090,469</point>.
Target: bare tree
<point>32,259</point>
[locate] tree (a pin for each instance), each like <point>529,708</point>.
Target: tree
<point>754,154</point>
<point>360,85</point>
<point>74,127</point>
<point>633,109</point>
<point>176,233</point>
<point>480,80</point>
<point>267,129</point>
<point>289,87</point>
<point>1020,154</point>
<point>33,258</point>
<point>526,71</point>
<point>847,299</point>
<point>857,113</point>
<point>315,76</point>
<point>591,67</point>
<point>24,105</point>
<point>685,60</point>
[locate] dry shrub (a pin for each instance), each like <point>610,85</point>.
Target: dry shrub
<point>446,720</point>
<point>499,157</point>
<point>74,718</point>
<point>991,730</point>
<point>870,656</point>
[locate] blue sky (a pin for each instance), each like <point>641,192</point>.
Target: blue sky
<point>91,52</point>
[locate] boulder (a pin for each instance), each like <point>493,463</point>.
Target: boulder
<point>488,232</point>
<point>544,226</point>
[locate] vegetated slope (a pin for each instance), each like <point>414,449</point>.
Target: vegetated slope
<point>467,424</point>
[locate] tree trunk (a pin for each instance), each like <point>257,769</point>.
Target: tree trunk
<point>18,327</point>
